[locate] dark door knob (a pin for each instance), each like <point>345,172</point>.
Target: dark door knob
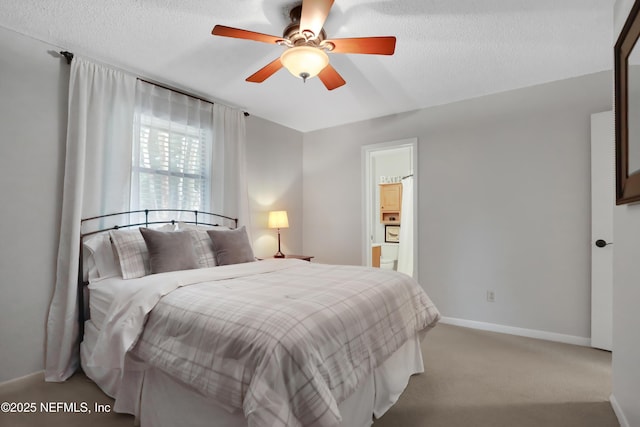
<point>601,243</point>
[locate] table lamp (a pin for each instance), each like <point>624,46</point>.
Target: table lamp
<point>278,219</point>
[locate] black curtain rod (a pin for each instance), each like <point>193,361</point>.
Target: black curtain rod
<point>69,57</point>
<point>181,92</point>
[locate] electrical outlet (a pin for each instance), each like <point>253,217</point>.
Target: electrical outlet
<point>491,296</point>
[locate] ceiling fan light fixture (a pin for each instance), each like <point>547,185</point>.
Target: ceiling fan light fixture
<point>304,62</point>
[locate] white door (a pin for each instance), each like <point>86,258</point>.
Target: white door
<point>602,205</point>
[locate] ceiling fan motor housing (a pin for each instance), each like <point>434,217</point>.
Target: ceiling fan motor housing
<point>294,37</point>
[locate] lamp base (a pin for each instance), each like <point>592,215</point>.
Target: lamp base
<point>279,254</point>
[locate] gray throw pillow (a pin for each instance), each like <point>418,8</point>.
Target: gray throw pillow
<point>169,250</point>
<point>231,246</point>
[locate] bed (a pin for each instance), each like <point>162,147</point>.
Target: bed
<point>184,326</point>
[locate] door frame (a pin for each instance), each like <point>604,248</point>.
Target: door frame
<point>368,195</point>
<point>602,213</point>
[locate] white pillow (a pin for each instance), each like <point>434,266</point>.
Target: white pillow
<point>102,256</point>
<point>89,269</point>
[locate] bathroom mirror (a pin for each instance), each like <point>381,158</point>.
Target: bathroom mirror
<point>627,109</point>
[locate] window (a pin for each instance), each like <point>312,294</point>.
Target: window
<point>170,166</point>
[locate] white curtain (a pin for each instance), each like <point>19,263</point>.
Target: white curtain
<point>405,248</point>
<point>229,193</point>
<point>96,180</point>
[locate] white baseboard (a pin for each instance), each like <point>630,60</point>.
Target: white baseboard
<point>618,411</point>
<point>23,378</point>
<point>530,333</point>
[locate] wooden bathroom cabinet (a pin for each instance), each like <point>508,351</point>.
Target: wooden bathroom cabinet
<point>390,203</point>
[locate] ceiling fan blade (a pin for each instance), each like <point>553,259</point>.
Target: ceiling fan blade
<point>265,72</point>
<point>331,78</point>
<point>237,33</point>
<point>314,13</point>
<point>368,45</point>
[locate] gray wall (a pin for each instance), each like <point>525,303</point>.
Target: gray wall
<point>274,157</point>
<point>626,292</point>
<point>504,201</point>
<point>33,94</point>
<point>33,105</point>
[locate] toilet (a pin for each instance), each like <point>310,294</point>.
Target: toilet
<point>389,256</point>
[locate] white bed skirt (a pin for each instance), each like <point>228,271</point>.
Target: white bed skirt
<point>157,400</point>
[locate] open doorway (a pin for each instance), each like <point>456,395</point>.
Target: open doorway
<point>390,235</point>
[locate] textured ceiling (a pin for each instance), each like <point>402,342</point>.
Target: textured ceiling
<point>447,50</point>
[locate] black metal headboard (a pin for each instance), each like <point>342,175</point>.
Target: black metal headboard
<point>199,218</point>
<point>147,222</point>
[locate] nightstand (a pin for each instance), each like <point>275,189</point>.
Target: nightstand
<point>303,257</point>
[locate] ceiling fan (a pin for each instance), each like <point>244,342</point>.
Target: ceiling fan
<point>307,45</point>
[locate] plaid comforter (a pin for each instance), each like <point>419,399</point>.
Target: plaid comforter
<point>285,340</point>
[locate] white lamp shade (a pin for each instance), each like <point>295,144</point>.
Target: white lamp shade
<point>278,219</point>
<point>304,62</point>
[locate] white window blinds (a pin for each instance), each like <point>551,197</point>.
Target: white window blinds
<point>170,165</point>
<point>172,148</point>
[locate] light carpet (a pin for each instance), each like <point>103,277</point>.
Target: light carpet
<point>472,378</point>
